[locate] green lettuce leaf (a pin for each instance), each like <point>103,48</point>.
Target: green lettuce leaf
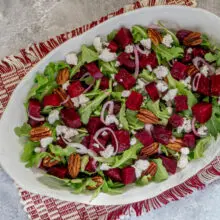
<point>76,68</point>
<point>107,68</point>
<point>133,122</point>
<point>106,188</point>
<point>35,159</point>
<point>88,55</point>
<point>111,36</point>
<point>161,173</point>
<point>122,117</point>
<point>210,57</point>
<point>28,151</point>
<point>23,131</point>
<point>142,181</point>
<point>138,33</point>
<point>84,161</point>
<point>48,109</point>
<point>61,152</point>
<point>148,76</point>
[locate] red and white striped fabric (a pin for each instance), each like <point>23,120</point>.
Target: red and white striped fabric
<point>12,70</point>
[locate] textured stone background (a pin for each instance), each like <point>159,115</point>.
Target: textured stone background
<point>26,21</point>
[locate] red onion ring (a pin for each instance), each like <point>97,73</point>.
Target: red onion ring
<point>113,134</point>
<point>136,62</point>
<point>148,128</point>
<point>35,118</point>
<point>89,87</point>
<point>65,101</point>
<point>193,127</point>
<point>145,52</point>
<point>195,83</point>
<point>84,75</point>
<point>110,110</point>
<point>196,62</point>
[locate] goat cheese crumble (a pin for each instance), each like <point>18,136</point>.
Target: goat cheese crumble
<point>187,82</point>
<point>108,152</point>
<point>125,93</point>
<point>161,72</point>
<point>72,59</point>
<point>105,167</point>
<point>140,84</point>
<point>66,132</point>
<point>65,85</point>
<point>170,95</point>
<point>53,116</point>
<point>185,127</point>
<point>133,141</point>
<point>129,48</point>
<point>110,119</point>
<point>161,86</point>
<point>97,44</point>
<point>140,166</point>
<point>80,100</point>
<point>146,43</point>
<point>44,142</point>
<point>204,70</point>
<point>107,56</point>
<point>167,40</point>
<point>203,130</point>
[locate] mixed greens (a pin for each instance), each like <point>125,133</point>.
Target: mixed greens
<point>134,108</point>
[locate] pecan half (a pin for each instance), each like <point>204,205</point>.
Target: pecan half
<point>64,97</point>
<point>49,162</point>
<point>74,163</point>
<point>38,133</point>
<point>193,39</point>
<point>155,36</point>
<point>175,145</point>
<point>151,171</point>
<point>149,150</point>
<point>147,117</point>
<point>191,70</point>
<point>99,181</point>
<point>63,76</point>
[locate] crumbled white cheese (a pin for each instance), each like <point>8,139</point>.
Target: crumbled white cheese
<point>183,161</point>
<point>105,167</point>
<point>184,150</point>
<point>97,44</point>
<point>107,56</point>
<point>133,141</point>
<point>37,150</point>
<point>161,72</point>
<point>117,64</point>
<point>148,127</point>
<point>204,70</point>
<point>113,76</point>
<point>140,166</point>
<point>129,49</point>
<point>53,116</point>
<point>75,101</point>
<point>46,141</point>
<point>72,59</point>
<point>115,84</point>
<point>161,86</point>
<point>203,130</point>
<point>66,132</point>
<point>111,119</point>
<point>149,68</point>
<point>80,100</point>
<point>104,133</point>
<point>96,145</point>
<point>167,40</point>
<point>65,85</point>
<point>189,50</point>
<point>170,110</point>
<point>140,84</point>
<point>187,82</point>
<point>133,132</point>
<point>185,127</point>
<point>146,43</point>
<point>108,152</point>
<point>125,93</point>
<point>170,95</point>
<point>120,126</point>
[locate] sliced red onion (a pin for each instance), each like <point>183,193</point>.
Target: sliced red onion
<point>113,134</point>
<point>148,128</point>
<point>145,52</point>
<point>196,62</point>
<point>195,83</point>
<point>41,118</point>
<point>193,127</point>
<point>81,149</point>
<point>110,110</point>
<point>173,139</point>
<point>84,75</point>
<point>65,101</point>
<point>136,62</point>
<point>89,87</point>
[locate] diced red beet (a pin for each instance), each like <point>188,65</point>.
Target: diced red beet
<point>144,137</point>
<point>60,142</point>
<point>94,70</point>
<point>199,52</point>
<point>124,78</point>
<point>94,124</point>
<point>189,140</point>
<point>79,74</point>
<point>152,91</point>
<point>113,47</point>
<point>125,60</point>
<point>202,111</point>
<point>169,163</point>
<point>150,60</point>
<point>128,175</point>
<point>179,71</point>
<point>176,120</point>
<point>94,146</point>
<point>123,37</point>
<point>86,141</point>
<point>181,34</point>
<point>204,85</point>
<point>187,58</point>
<point>117,107</point>
<point>215,85</point>
<point>75,89</point>
<point>70,118</point>
<point>104,84</point>
<point>181,103</point>
<point>34,108</point>
<point>161,134</point>
<point>51,100</point>
<point>114,174</point>
<point>34,123</point>
<point>123,138</point>
<point>92,165</point>
<point>58,171</point>
<point>134,101</point>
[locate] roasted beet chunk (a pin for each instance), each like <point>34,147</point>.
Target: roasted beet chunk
<point>161,134</point>
<point>125,60</point>
<point>144,137</point>
<point>60,142</point>
<point>199,52</point>
<point>134,101</point>
<point>93,69</point>
<point>34,123</point>
<point>181,34</point>
<point>86,141</point>
<point>179,71</point>
<point>94,146</point>
<point>176,120</point>
<point>152,91</point>
<point>123,37</point>
<point>113,47</point>
<point>104,83</point>
<point>215,85</point>
<point>123,138</point>
<point>188,56</point>
<point>70,118</point>
<point>94,124</point>
<point>125,79</point>
<point>202,111</point>
<point>92,165</point>
<point>114,174</point>
<point>181,103</point>
<point>150,60</point>
<point>170,164</point>
<point>75,89</point>
<point>51,100</point>
<point>34,108</point>
<point>189,140</point>
<point>59,172</point>
<point>128,175</point>
<point>203,85</point>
